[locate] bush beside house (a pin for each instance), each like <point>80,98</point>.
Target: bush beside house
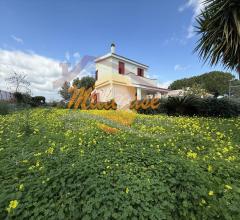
<point>194,106</point>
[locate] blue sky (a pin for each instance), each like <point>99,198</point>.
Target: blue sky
<point>157,33</point>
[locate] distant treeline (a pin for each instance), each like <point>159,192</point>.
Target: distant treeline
<point>213,82</point>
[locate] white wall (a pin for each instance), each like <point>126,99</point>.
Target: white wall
<point>104,68</point>
<point>129,67</point>
<point>110,66</point>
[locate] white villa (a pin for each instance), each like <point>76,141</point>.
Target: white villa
<point>123,80</point>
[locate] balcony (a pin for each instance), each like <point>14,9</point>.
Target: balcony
<point>142,81</point>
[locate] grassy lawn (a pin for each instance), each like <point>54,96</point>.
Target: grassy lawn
<point>61,164</point>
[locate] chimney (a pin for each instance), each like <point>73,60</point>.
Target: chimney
<point>112,48</point>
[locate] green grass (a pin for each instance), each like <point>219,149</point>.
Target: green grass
<point>61,164</point>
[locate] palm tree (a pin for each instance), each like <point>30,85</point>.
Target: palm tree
<point>219,28</point>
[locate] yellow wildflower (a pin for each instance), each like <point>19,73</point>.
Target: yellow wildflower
<point>191,155</point>
<point>127,190</point>
<point>31,167</point>
<point>49,150</point>
<point>211,193</point>
<point>12,205</point>
<point>202,202</point>
<point>21,187</point>
<point>228,187</point>
<point>209,168</point>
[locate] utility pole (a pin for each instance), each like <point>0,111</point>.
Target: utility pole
<point>229,88</point>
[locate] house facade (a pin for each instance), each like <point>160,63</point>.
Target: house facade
<point>6,96</point>
<point>123,80</point>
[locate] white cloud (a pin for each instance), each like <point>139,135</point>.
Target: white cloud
<point>176,40</point>
<point>197,6</point>
<point>41,71</point>
<point>76,55</point>
<point>17,39</point>
<point>67,56</point>
<point>179,67</point>
<point>45,74</point>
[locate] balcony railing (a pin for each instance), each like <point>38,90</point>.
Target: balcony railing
<point>135,79</point>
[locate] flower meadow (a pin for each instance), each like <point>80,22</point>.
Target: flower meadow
<point>67,164</point>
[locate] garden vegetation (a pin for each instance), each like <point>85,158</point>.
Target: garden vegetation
<point>191,105</point>
<point>72,164</point>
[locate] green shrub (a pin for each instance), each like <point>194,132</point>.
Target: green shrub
<point>219,107</point>
<point>62,104</point>
<point>187,105</point>
<point>149,111</point>
<point>52,104</point>
<point>26,99</point>
<point>56,104</point>
<point>18,96</point>
<point>37,101</point>
<point>22,98</point>
<point>192,105</point>
<point>4,108</point>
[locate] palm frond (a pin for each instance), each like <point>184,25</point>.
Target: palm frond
<point>219,29</point>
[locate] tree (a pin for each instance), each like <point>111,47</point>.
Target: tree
<point>219,29</point>
<point>196,90</point>
<point>85,82</point>
<point>22,98</point>
<point>38,101</point>
<point>77,82</point>
<point>19,82</point>
<point>213,82</point>
<point>64,91</point>
<point>234,90</point>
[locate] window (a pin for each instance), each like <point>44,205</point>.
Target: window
<point>96,75</point>
<point>140,72</point>
<point>121,68</point>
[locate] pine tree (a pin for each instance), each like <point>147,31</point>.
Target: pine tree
<point>64,91</point>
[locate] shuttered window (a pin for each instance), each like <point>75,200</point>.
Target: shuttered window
<point>96,75</point>
<point>121,68</point>
<point>140,72</point>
